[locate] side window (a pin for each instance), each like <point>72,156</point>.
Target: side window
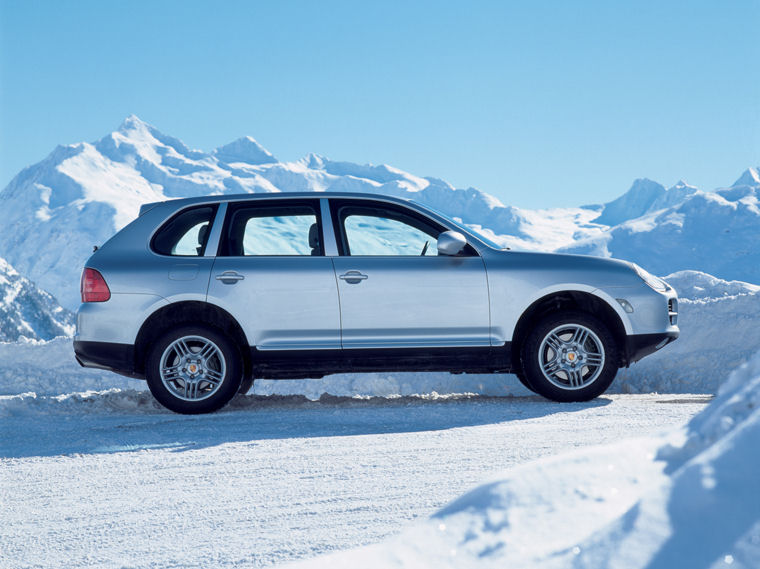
<point>375,231</point>
<point>273,230</point>
<point>185,234</point>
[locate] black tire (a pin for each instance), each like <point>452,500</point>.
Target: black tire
<point>245,385</point>
<point>218,376</point>
<point>524,380</point>
<point>565,381</point>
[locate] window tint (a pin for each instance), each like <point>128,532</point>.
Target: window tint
<point>186,234</point>
<point>284,230</point>
<point>379,232</point>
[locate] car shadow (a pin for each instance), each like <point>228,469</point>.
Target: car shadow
<point>109,428</point>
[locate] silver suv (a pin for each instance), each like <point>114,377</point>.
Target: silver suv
<point>201,295</point>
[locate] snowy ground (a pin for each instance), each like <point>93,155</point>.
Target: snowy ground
<point>88,481</point>
<point>685,499</point>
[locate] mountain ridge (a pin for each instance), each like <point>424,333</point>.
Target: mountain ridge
<point>27,311</point>
<point>80,194</point>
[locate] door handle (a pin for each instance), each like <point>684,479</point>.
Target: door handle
<point>229,277</point>
<point>353,277</point>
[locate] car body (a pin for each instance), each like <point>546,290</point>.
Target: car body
<point>298,285</point>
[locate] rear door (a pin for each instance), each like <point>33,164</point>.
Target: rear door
<point>395,290</point>
<point>272,275</point>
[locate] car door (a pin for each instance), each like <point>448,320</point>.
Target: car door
<point>394,288</point>
<point>272,275</point>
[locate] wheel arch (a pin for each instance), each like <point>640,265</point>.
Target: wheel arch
<point>568,300</point>
<point>190,312</point>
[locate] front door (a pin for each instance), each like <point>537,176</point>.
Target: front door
<point>396,291</point>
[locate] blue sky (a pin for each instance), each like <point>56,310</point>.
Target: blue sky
<point>539,103</point>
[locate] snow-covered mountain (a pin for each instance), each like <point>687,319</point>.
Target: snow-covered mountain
<point>715,232</point>
<point>26,311</point>
<point>643,197</point>
<point>78,196</point>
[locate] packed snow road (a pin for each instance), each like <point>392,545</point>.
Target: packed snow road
<point>89,481</point>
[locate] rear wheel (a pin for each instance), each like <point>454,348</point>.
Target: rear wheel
<point>524,380</point>
<point>194,369</point>
<point>245,385</point>
<point>570,357</point>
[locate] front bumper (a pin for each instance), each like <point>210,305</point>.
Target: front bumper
<point>119,358</point>
<point>638,346</point>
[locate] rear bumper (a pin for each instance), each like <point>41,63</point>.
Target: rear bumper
<point>119,358</point>
<point>638,346</point>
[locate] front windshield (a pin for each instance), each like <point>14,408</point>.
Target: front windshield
<point>467,229</point>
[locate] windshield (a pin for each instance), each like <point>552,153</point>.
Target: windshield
<point>467,229</point>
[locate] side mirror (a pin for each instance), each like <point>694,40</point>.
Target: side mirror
<point>451,243</point>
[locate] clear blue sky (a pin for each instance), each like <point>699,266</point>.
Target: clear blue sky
<point>539,103</point>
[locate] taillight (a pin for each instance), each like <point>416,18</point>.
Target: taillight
<point>94,287</point>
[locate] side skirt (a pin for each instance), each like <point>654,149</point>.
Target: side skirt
<point>302,364</point>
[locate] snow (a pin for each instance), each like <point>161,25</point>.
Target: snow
<point>696,285</point>
<point>684,499</point>
<point>720,329</point>
<point>106,181</point>
<point>28,313</point>
<point>714,232</point>
<point>245,150</point>
<point>750,177</point>
<point>269,480</point>
<point>49,368</point>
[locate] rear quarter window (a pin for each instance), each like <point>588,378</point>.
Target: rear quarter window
<point>186,233</point>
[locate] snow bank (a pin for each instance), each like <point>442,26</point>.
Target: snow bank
<point>686,499</point>
<point>696,285</point>
<point>49,368</point>
<point>720,330</point>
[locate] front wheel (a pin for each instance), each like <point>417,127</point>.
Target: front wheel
<point>194,369</point>
<point>570,357</point>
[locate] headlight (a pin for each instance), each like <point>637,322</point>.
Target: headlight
<point>651,280</point>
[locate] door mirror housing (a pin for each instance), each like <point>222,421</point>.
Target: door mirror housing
<point>451,243</point>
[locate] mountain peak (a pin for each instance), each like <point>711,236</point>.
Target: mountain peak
<point>639,199</point>
<point>750,177</point>
<point>645,185</point>
<point>314,161</point>
<point>245,149</point>
<point>131,123</point>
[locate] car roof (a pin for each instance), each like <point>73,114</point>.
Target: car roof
<point>182,202</point>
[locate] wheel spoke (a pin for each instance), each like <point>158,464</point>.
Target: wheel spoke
<point>594,359</point>
<point>170,372</point>
<point>580,336</point>
<point>182,348</point>
<point>191,389</point>
<point>212,376</point>
<point>575,377</point>
<point>207,351</point>
<point>554,342</point>
<point>550,367</point>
